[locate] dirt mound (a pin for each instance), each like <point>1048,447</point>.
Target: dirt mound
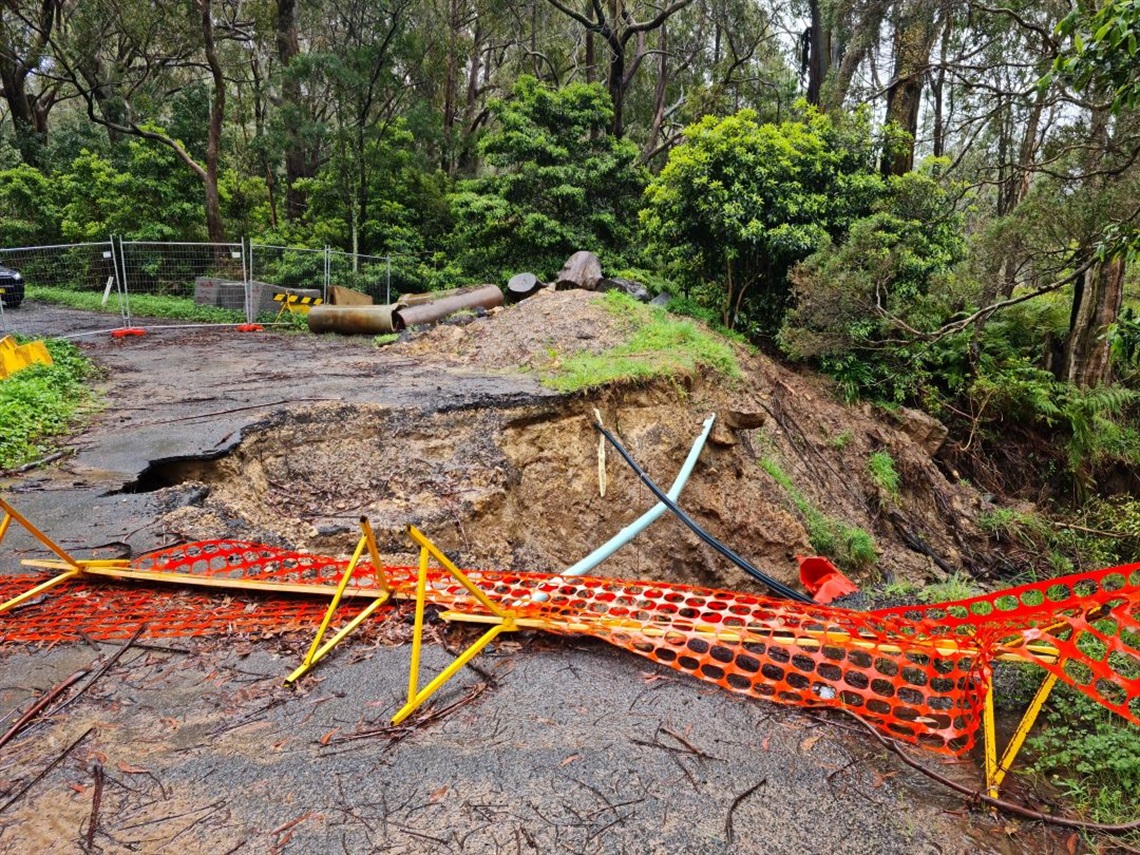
<point>526,334</point>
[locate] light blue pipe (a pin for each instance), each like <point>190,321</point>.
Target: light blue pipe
<point>642,522</point>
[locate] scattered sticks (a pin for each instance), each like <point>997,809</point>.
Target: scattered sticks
<point>728,833</point>
<point>398,733</point>
<point>42,774</point>
<point>39,705</point>
<point>96,801</point>
<point>107,666</point>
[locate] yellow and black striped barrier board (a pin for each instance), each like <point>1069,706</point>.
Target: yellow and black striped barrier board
<point>295,303</point>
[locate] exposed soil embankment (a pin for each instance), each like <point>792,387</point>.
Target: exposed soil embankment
<point>513,486</point>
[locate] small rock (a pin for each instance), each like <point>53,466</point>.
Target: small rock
<point>740,420</point>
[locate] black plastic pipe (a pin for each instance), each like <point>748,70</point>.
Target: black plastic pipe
<point>774,585</point>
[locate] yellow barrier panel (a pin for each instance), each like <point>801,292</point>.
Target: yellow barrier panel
<point>16,357</point>
<point>295,304</point>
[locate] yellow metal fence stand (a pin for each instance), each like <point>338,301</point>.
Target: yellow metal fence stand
<point>995,771</point>
<point>70,567</point>
<point>504,622</point>
<point>316,651</point>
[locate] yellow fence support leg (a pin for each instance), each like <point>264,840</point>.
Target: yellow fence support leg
<point>995,774</point>
<point>71,569</point>
<point>990,747</point>
<point>11,513</point>
<point>318,652</point>
<point>505,623</point>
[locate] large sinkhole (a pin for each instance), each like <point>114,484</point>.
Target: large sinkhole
<point>511,488</point>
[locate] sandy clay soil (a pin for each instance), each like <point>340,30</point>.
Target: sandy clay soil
<point>547,745</point>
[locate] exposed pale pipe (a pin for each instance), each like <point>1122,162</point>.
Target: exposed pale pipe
<point>642,522</point>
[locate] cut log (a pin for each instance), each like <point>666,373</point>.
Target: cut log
<point>581,270</point>
<point>522,285</point>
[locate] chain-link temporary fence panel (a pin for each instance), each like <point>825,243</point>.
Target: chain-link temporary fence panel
<point>386,277</point>
<point>81,275</point>
<point>200,282</point>
<point>296,268</point>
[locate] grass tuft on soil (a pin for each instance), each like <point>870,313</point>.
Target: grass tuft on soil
<point>143,305</point>
<point>42,402</point>
<point>658,346</point>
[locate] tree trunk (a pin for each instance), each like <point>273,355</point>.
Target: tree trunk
<point>29,112</point>
<point>914,39</point>
<point>658,94</point>
<point>818,53</point>
<point>616,83</point>
<point>1097,299</point>
<point>214,226</point>
<point>451,89</point>
<point>296,163</point>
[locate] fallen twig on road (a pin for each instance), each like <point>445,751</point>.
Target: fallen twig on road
<point>44,700</point>
<point>728,833</point>
<point>50,766</point>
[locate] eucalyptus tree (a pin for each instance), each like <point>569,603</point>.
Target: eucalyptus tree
<point>619,25</point>
<point>126,60</point>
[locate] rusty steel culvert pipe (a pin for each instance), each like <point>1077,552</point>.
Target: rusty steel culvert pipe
<point>487,297</point>
<point>352,320</point>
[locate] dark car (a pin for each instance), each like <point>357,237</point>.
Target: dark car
<point>12,284</point>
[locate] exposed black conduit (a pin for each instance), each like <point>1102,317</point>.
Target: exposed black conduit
<point>774,585</point>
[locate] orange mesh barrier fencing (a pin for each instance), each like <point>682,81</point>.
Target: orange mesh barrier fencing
<point>919,674</point>
<point>1091,619</point>
<point>104,610</point>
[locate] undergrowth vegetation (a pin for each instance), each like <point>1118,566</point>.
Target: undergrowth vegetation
<point>42,402</point>
<point>142,305</point>
<point>658,346</point>
<point>849,546</point>
<point>1090,755</point>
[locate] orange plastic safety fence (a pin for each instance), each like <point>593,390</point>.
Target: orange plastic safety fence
<point>107,611</point>
<point>1091,619</point>
<point>917,673</point>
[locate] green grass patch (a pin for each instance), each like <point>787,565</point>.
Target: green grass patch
<point>142,305</point>
<point>42,402</point>
<point>849,546</point>
<point>659,346</point>
<point>959,586</point>
<point>881,470</point>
